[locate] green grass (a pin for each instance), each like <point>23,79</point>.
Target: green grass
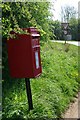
<point>52,91</point>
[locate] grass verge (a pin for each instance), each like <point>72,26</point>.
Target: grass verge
<point>52,91</point>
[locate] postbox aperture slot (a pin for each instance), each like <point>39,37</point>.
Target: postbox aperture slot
<point>34,37</point>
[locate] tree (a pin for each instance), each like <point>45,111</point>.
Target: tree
<point>56,29</point>
<point>26,14</point>
<point>73,23</point>
<point>67,13</point>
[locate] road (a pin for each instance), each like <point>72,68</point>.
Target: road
<point>77,43</point>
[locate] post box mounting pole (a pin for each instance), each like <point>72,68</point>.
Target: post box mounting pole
<point>29,95</point>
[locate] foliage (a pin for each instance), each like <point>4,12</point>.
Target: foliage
<point>58,84</point>
<point>68,12</point>
<point>58,32</point>
<point>26,14</point>
<point>78,29</point>
<point>69,15</point>
<point>51,92</point>
<point>56,29</point>
<point>74,28</point>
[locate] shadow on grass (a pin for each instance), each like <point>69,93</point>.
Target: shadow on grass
<point>14,118</point>
<point>38,118</point>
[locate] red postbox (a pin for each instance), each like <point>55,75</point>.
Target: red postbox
<point>24,54</point>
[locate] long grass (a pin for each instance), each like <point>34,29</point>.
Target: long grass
<point>51,92</point>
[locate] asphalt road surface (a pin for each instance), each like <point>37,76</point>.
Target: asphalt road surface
<point>77,43</point>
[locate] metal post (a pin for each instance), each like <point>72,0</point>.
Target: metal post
<point>29,95</point>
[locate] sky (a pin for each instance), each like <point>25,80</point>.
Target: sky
<point>59,3</point>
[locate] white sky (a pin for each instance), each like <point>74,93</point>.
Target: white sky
<point>59,3</point>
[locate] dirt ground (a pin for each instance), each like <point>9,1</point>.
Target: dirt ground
<point>74,109</point>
